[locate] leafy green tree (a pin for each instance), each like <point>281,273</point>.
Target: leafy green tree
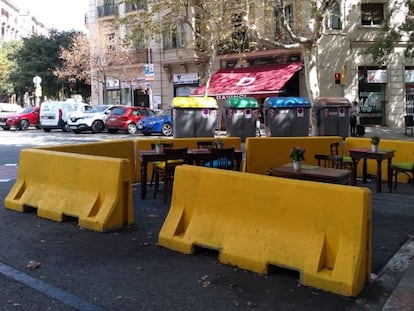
<point>397,30</point>
<point>40,56</point>
<point>6,66</point>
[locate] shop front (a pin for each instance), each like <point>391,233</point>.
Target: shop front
<point>372,82</point>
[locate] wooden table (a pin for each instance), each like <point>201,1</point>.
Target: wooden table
<point>312,173</point>
<point>194,156</point>
<point>365,154</point>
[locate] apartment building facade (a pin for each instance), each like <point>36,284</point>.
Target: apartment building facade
<point>154,76</point>
<point>17,23</point>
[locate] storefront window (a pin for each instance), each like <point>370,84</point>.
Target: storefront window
<point>371,105</point>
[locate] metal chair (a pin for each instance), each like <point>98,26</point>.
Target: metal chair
<point>406,168</point>
<point>166,168</point>
<point>164,146</point>
<point>327,160</point>
<point>346,160</point>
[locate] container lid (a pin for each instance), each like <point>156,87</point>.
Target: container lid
<point>241,102</point>
<point>333,101</point>
<point>194,102</point>
<point>287,102</point>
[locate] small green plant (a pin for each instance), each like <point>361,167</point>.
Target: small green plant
<point>297,153</point>
<point>375,140</point>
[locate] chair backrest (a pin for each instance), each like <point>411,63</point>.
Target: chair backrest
<point>173,156</point>
<point>331,161</point>
<point>222,158</point>
<point>334,148</point>
<point>204,144</point>
<point>164,145</point>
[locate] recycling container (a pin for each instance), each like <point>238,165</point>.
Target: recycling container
<point>287,116</point>
<point>332,116</point>
<point>241,114</point>
<point>194,116</point>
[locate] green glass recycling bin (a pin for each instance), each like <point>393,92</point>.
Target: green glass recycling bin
<point>194,116</point>
<point>241,114</point>
<point>332,116</point>
<point>287,116</point>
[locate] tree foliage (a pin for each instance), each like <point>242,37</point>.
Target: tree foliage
<point>6,66</point>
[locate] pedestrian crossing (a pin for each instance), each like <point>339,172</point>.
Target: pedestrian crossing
<point>8,172</point>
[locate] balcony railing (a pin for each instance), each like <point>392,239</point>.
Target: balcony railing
<point>107,10</point>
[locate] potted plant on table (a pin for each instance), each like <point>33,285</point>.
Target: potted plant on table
<point>297,154</point>
<point>158,146</point>
<point>375,140</point>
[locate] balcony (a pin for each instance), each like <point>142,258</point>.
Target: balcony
<point>107,10</point>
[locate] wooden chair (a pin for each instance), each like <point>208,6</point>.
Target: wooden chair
<point>222,158</point>
<point>406,168</point>
<point>204,144</point>
<point>346,160</point>
<point>327,160</point>
<point>164,146</point>
<point>166,168</point>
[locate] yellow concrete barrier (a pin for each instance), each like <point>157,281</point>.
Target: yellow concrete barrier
<point>321,230</point>
<point>263,153</point>
<point>122,149</point>
<point>96,190</point>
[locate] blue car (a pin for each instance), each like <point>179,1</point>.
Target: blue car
<point>159,124</point>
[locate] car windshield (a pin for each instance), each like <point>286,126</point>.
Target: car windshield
<point>118,111</point>
<point>27,110</point>
<point>97,109</point>
<point>164,113</point>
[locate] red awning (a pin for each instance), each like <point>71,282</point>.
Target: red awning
<point>257,82</point>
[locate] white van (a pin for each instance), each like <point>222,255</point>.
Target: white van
<point>55,114</point>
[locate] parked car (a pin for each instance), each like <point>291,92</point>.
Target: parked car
<point>125,118</point>
<point>90,120</point>
<point>160,123</point>
<point>7,110</point>
<point>29,116</point>
<point>55,114</point>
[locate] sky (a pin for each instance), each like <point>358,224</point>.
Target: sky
<point>62,15</point>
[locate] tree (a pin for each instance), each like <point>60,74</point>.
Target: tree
<point>241,26</point>
<point>6,66</point>
<point>396,31</point>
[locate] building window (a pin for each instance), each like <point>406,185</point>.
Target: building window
<point>108,8</point>
<point>372,14</point>
<point>333,20</point>
<point>138,5</point>
<point>138,41</point>
<point>173,37</point>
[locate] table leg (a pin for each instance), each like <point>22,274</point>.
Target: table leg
<point>389,175</point>
<point>379,176</point>
<point>143,180</point>
<point>364,171</point>
<point>354,171</point>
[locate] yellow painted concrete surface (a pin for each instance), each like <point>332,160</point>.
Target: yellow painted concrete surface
<point>121,149</point>
<point>96,190</point>
<point>321,230</point>
<point>403,153</point>
<point>263,153</point>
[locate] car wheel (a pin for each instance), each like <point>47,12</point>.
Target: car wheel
<point>97,126</point>
<point>132,128</point>
<point>112,131</point>
<point>24,125</point>
<point>166,129</point>
<point>6,128</point>
<point>66,128</point>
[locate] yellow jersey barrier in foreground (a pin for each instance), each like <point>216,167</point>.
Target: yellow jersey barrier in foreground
<point>321,230</point>
<point>96,190</point>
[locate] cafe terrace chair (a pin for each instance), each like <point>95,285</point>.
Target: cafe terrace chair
<point>406,168</point>
<point>164,146</point>
<point>222,158</point>
<point>346,160</point>
<point>165,169</point>
<point>327,160</point>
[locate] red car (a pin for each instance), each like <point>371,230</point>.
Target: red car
<point>125,118</point>
<point>29,116</point>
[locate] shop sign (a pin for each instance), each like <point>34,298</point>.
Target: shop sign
<point>377,76</point>
<point>149,72</point>
<point>112,83</point>
<point>409,76</point>
<point>219,97</point>
<point>185,78</point>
